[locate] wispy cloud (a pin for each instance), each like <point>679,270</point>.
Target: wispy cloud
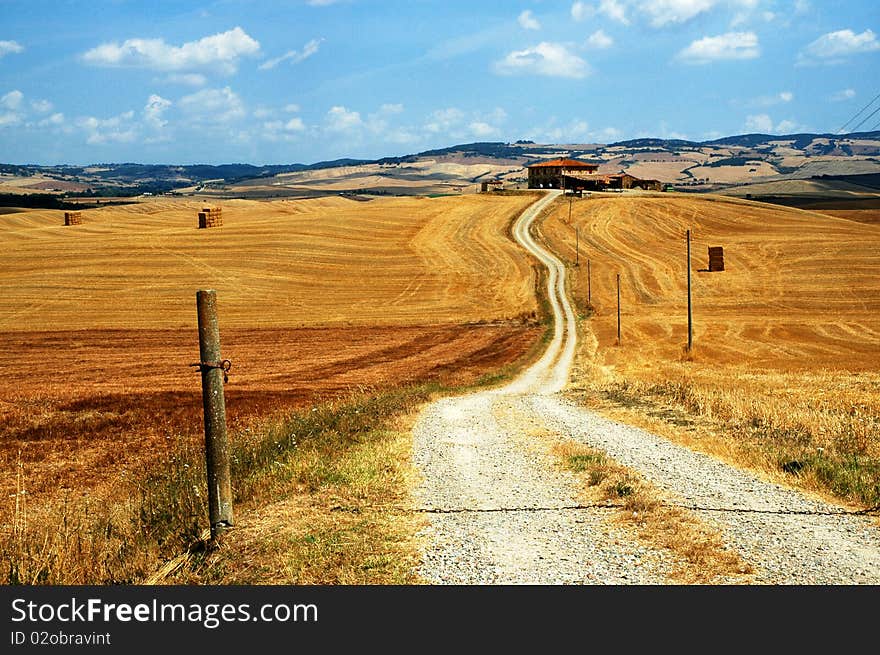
<point>845,94</point>
<point>219,51</point>
<point>10,47</point>
<point>295,56</point>
<point>547,59</point>
<point>187,79</point>
<point>836,47</point>
<point>599,40</point>
<point>213,106</point>
<point>340,119</point>
<point>763,124</point>
<point>730,46</point>
<point>670,12</point>
<point>769,101</point>
<point>527,21</point>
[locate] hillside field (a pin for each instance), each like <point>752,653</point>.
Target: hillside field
<point>316,299</point>
<point>786,339</point>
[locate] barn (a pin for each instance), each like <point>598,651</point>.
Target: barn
<point>553,173</point>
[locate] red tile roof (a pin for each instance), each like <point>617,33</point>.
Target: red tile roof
<point>563,163</point>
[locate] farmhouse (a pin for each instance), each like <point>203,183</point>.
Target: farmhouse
<point>574,175</point>
<point>552,174</point>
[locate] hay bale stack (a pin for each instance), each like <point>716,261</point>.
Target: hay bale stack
<point>73,218</point>
<point>210,217</point>
<point>716,258</point>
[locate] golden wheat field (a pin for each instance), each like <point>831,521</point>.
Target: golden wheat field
<point>786,339</point>
<point>400,261</point>
<point>799,289</point>
<point>316,299</point>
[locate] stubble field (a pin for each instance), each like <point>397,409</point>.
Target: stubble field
<point>316,299</point>
<point>786,340</point>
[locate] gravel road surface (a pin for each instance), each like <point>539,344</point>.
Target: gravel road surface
<point>501,512</point>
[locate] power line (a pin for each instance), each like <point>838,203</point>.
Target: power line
<point>859,113</point>
<point>855,129</point>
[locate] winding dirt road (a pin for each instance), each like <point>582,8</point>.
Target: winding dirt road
<point>501,512</point>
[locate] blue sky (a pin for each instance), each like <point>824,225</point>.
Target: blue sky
<point>286,81</point>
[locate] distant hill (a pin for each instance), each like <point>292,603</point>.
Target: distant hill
<point>714,165</point>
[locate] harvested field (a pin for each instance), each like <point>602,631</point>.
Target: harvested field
<point>396,261</point>
<point>799,289</point>
<point>317,299</point>
<point>786,338</point>
<point>82,406</point>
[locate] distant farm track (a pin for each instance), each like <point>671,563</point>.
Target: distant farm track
<point>394,261</point>
<point>800,289</point>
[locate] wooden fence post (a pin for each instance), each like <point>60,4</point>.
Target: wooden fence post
<point>214,370</point>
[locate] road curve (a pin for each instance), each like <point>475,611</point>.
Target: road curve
<point>501,512</point>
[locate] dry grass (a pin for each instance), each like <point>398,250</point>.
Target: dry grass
<point>787,338</point>
<point>699,550</point>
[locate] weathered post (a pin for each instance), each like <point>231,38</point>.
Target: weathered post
<point>213,370</point>
<point>618,309</point>
<point>690,314</point>
<point>589,285</point>
<point>577,246</point>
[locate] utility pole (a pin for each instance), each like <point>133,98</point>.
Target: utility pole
<point>618,309</point>
<point>589,285</point>
<point>690,313</point>
<point>577,247</point>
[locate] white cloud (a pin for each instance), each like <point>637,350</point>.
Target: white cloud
<point>219,51</point>
<point>391,108</point>
<point>600,40</point>
<point>9,119</point>
<point>10,47</point>
<point>54,120</point>
<point>763,124</point>
<point>769,101</point>
<point>213,105</point>
<point>118,129</point>
<point>295,56</point>
<point>550,59</point>
<point>527,21</point>
<point>787,127</point>
<point>187,79</point>
<point>340,119</point>
<point>614,9</point>
<point>12,100</point>
<point>295,124</point>
<point>443,120</point>
<point>733,45</point>
<point>667,12</point>
<point>845,94</point>
<point>581,11</point>
<point>836,46</point>
<point>801,7</point>
<point>292,108</point>
<point>153,110</point>
<point>482,130</point>
<point>41,106</point>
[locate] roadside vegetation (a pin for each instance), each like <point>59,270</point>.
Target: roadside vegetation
<point>700,552</point>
